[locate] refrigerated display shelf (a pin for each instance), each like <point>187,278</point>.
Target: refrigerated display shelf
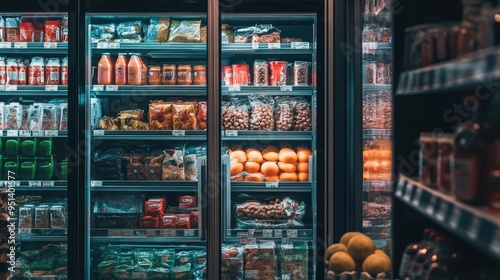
<point>177,135</point>
<point>302,48</point>
<point>37,185</point>
<point>147,91</point>
<point>33,48</point>
<point>377,87</point>
<point>238,135</point>
<point>270,233</point>
<point>34,91</point>
<point>34,133</point>
<point>271,187</point>
<point>269,90</point>
<point>42,234</point>
<point>377,132</point>
<point>190,49</point>
<point>377,186</point>
<point>376,46</point>
<point>146,235</point>
<point>141,186</point>
<point>466,73</point>
<point>476,226</point>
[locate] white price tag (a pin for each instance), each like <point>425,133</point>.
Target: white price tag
<point>97,88</point>
<point>189,232</point>
<point>231,133</point>
<point>299,45</point>
<point>25,133</point>
<point>179,133</point>
<point>5,45</point>
<point>151,233</point>
<point>370,45</point>
<point>50,45</point>
<point>408,191</point>
<point>51,133</point>
<point>168,233</point>
<point>10,87</point>
<point>443,209</point>
<point>2,87</point>
<point>20,45</point>
<point>112,88</point>
<point>24,232</point>
<point>417,196</point>
<point>278,233</point>
<point>51,88</point>
<point>292,233</point>
<point>285,277</point>
<point>98,132</point>
<point>127,232</point>
<point>34,183</point>
<point>251,232</point>
<point>13,133</point>
<point>114,45</point>
<point>102,45</point>
<point>114,232</point>
<point>286,88</point>
<point>242,234</point>
<point>267,233</point>
<point>272,185</point>
<point>255,46</point>
<point>251,274</point>
<point>38,133</point>
<point>455,217</point>
<point>47,183</point>
<point>274,46</point>
<point>96,183</point>
<point>235,88</point>
<point>430,206</point>
<point>474,227</point>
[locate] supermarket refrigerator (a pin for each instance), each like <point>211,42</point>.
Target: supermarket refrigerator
<point>35,129</point>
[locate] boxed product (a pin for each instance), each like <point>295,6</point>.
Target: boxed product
<point>232,262</point>
<point>260,260</point>
<point>294,260</point>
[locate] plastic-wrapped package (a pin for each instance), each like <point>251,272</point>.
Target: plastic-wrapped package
<point>232,262</point>
<point>123,271</point>
<point>302,115</point>
<point>202,115</point>
<point>130,31</point>
<point>160,115</point>
<point>262,117</point>
<point>173,164</point>
<point>184,116</point>
<point>235,115</point>
<point>244,35</point>
<point>260,73</point>
<point>260,260</point>
<point>115,204</point>
<point>132,120</point>
<point>185,31</point>
<point>109,123</point>
<point>277,73</point>
<point>182,272</point>
<point>35,117</point>
<point>165,258</point>
<point>25,120</point>
<point>2,115</point>
<point>294,260</point>
<point>241,74</point>
<point>190,161</point>
<point>301,73</point>
<point>266,33</point>
<point>63,123</point>
<point>50,117</point>
<point>284,113</point>
<point>13,116</point>
<point>158,30</point>
<point>102,32</point>
<point>227,36</point>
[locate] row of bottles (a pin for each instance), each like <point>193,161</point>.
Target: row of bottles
<point>40,71</point>
<point>123,71</point>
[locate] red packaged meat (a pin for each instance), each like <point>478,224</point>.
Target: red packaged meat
<point>167,222</point>
<point>12,72</point>
<point>227,75</point>
<point>155,207</point>
<point>12,29</point>
<point>148,222</point>
<point>52,31</point>
<point>193,217</point>
<point>241,74</point>
<point>182,221</point>
<point>26,32</point>
<point>187,201</point>
<point>36,72</point>
<point>278,73</point>
<point>39,31</point>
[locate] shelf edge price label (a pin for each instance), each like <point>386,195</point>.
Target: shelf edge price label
<point>271,185</point>
<point>112,88</point>
<point>34,183</point>
<point>274,45</point>
<point>189,232</point>
<point>286,88</point>
<point>150,233</point>
<point>10,87</point>
<point>20,45</point>
<point>255,46</point>
<point>430,206</point>
<point>235,88</point>
<point>278,233</point>
<point>178,133</point>
<point>13,133</point>
<point>38,133</point>
<point>97,88</point>
<point>102,45</point>
<point>242,234</point>
<point>114,45</point>
<point>443,209</point>
<point>50,45</point>
<point>127,232</point>
<point>231,133</point>
<point>292,233</point>
<point>370,45</point>
<point>251,274</point>
<point>455,217</point>
<point>51,133</point>
<point>2,87</point>
<point>5,45</point>
<point>96,183</point>
<point>286,277</point>
<point>474,227</point>
<point>51,88</point>
<point>114,232</point>
<point>299,45</point>
<point>24,232</point>
<point>47,183</point>
<point>267,233</point>
<point>25,133</point>
<point>98,132</point>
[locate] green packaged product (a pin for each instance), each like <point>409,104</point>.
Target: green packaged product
<point>44,265</point>
<point>45,170</point>
<point>27,170</point>
<point>62,260</point>
<point>21,268</point>
<point>12,147</point>
<point>183,258</point>
<point>45,147</point>
<point>1,162</point>
<point>199,259</point>
<point>144,259</point>
<point>28,147</point>
<point>30,255</point>
<point>52,250</point>
<point>64,170</point>
<point>165,258</point>
<point>105,269</point>
<point>61,271</point>
<point>294,260</point>
<point>160,273</point>
<point>1,146</point>
<point>181,272</point>
<point>123,271</point>
<point>10,167</point>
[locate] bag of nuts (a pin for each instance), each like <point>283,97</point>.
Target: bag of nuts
<point>284,113</point>
<point>260,73</point>
<point>302,115</point>
<point>262,117</point>
<point>235,115</point>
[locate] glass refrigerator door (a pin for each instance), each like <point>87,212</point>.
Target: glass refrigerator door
<point>268,94</point>
<point>146,108</point>
<point>377,122</point>
<point>33,142</point>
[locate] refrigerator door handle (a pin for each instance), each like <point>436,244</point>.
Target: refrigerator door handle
<point>226,193</point>
<point>202,195</point>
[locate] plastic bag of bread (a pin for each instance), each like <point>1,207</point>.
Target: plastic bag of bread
<point>184,116</point>
<point>109,123</point>
<point>227,34</point>
<point>185,31</point>
<point>173,164</point>
<point>262,117</point>
<point>130,30</point>
<point>133,124</point>
<point>190,161</point>
<point>136,114</point>
<point>160,115</point>
<point>158,30</point>
<point>203,34</point>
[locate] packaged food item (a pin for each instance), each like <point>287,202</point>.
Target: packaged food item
<point>26,216</point>
<point>302,115</point>
<point>294,260</point>
<point>12,29</point>
<point>284,113</point>
<point>278,73</point>
<point>288,40</point>
<point>2,29</point>
<point>266,33</point>
<point>227,35</point>
<point>383,73</point>
<point>187,201</point>
<point>49,116</point>
<point>132,120</point>
<point>36,72</point>
<point>199,75</point>
<point>21,72</point>
<point>202,115</point>
<point>183,258</point>
<point>185,31</point>
<point>25,120</point>
<point>109,123</point>
<point>160,115</point>
<point>241,74</point>
<point>227,75</point>
<point>154,75</point>
<point>27,170</point>
<point>58,216</point>
<point>445,154</point>
<point>64,29</point>
<point>130,31</point>
<point>260,260</point>
<point>105,70</point>
<point>244,35</point>
<point>184,116</point>
<point>190,161</point>
<point>182,272</point>
<point>235,116</point>
<point>153,166</point>
<point>173,164</point>
<point>144,71</point>
<point>63,123</point>
<point>184,75</point>
<point>167,222</point>
<point>182,221</point>
<point>301,73</point>
<point>52,31</point>
<point>193,219</point>
<point>134,70</point>
<point>39,31</point>
<point>428,158</point>
<point>169,74</point>
<point>2,117</point>
<point>121,70</point>
<point>123,271</point>
<point>13,116</point>
<point>42,216</point>
<point>3,71</point>
<point>232,262</point>
<point>260,73</point>
<point>52,71</point>
<point>12,72</point>
<point>26,32</point>
<point>155,207</point>
<point>64,72</point>
<point>102,32</point>
<point>262,117</point>
<point>203,34</point>
<point>158,30</point>
<point>149,222</point>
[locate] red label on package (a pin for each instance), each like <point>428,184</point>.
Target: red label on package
<point>182,221</point>
<point>167,221</point>
<point>154,208</point>
<point>187,201</point>
<point>149,222</point>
